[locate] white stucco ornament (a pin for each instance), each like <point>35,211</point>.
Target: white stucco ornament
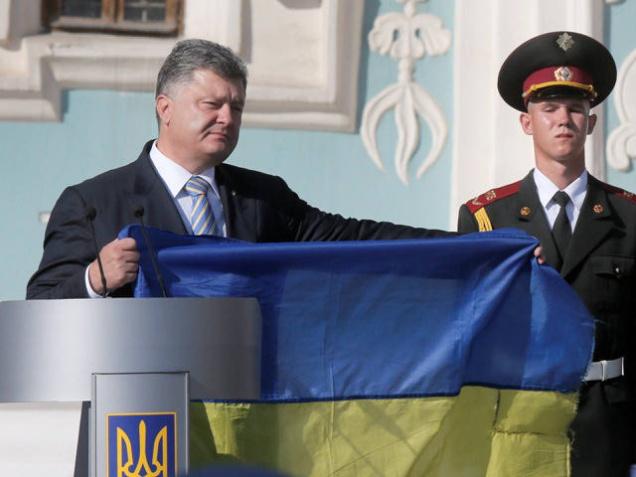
<point>621,143</point>
<point>406,37</point>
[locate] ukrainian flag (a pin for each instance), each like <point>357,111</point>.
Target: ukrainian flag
<point>439,357</point>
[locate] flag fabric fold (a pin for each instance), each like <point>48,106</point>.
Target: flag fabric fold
<point>458,356</point>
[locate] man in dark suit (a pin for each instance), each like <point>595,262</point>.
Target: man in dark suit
<point>179,183</point>
<point>587,228</point>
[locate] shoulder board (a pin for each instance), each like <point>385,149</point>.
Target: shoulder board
<point>493,195</point>
<point>617,191</point>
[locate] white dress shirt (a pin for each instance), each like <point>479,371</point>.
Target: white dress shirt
<point>576,191</point>
<point>175,178</point>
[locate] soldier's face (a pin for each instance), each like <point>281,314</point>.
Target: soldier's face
<point>201,118</point>
<point>559,128</point>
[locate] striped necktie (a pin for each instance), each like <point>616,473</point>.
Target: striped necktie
<point>201,217</point>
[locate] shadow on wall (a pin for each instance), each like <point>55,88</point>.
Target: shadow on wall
<point>371,9</point>
<point>301,4</point>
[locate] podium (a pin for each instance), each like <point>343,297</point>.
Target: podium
<point>135,364</point>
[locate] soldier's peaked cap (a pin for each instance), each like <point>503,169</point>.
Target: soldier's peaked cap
<point>557,64</point>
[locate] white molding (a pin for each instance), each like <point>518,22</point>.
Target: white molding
<point>323,96</point>
<point>621,143</point>
<point>5,15</point>
<point>489,148</point>
<point>214,20</point>
<point>322,89</point>
<point>418,35</point>
<point>18,19</point>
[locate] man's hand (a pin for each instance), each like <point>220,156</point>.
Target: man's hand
<point>120,260</point>
<point>538,252</point>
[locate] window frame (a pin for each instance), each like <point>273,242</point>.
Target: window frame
<point>112,20</point>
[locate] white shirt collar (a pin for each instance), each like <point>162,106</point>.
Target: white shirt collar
<point>175,176</point>
<point>546,189</point>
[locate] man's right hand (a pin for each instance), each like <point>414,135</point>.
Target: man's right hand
<point>120,260</point>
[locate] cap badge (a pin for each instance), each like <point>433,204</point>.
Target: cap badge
<point>598,208</point>
<point>525,211</point>
<point>565,41</point>
<point>563,73</point>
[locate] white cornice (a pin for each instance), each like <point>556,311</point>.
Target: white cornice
<point>317,92</point>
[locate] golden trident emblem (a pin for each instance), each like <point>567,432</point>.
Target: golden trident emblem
<point>159,465</point>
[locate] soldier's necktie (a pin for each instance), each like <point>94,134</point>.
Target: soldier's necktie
<point>201,217</point>
<point>562,230</point>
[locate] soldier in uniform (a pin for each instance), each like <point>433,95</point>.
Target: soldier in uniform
<point>587,228</point>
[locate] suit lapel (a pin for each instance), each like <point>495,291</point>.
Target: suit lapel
<point>531,218</point>
<point>592,226</point>
<point>239,211</point>
<point>150,192</point>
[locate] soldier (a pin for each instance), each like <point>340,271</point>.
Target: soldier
<point>587,228</point>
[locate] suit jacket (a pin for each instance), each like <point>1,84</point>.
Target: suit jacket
<point>257,208</point>
<point>600,265</point>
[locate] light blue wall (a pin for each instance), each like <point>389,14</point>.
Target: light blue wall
<point>104,129</point>
<point>620,38</point>
<point>100,130</point>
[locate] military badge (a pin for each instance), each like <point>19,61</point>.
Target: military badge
<point>565,41</point>
<point>563,73</point>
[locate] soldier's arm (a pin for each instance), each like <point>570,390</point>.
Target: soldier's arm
<point>466,222</point>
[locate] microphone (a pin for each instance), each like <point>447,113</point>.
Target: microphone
<point>91,213</point>
<point>139,211</point>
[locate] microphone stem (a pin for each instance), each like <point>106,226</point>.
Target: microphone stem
<point>102,275</point>
<point>153,260</point>
<point>91,216</point>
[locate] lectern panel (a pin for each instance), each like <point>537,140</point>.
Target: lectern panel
<point>50,348</point>
<point>141,424</point>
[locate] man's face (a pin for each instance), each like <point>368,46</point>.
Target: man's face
<point>201,119</point>
<point>559,128</point>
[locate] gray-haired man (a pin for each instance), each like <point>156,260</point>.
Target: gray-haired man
<point>180,184</point>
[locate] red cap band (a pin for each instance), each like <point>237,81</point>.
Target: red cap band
<point>570,76</point>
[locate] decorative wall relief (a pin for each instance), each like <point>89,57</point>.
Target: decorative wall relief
<point>406,37</point>
<point>621,144</point>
